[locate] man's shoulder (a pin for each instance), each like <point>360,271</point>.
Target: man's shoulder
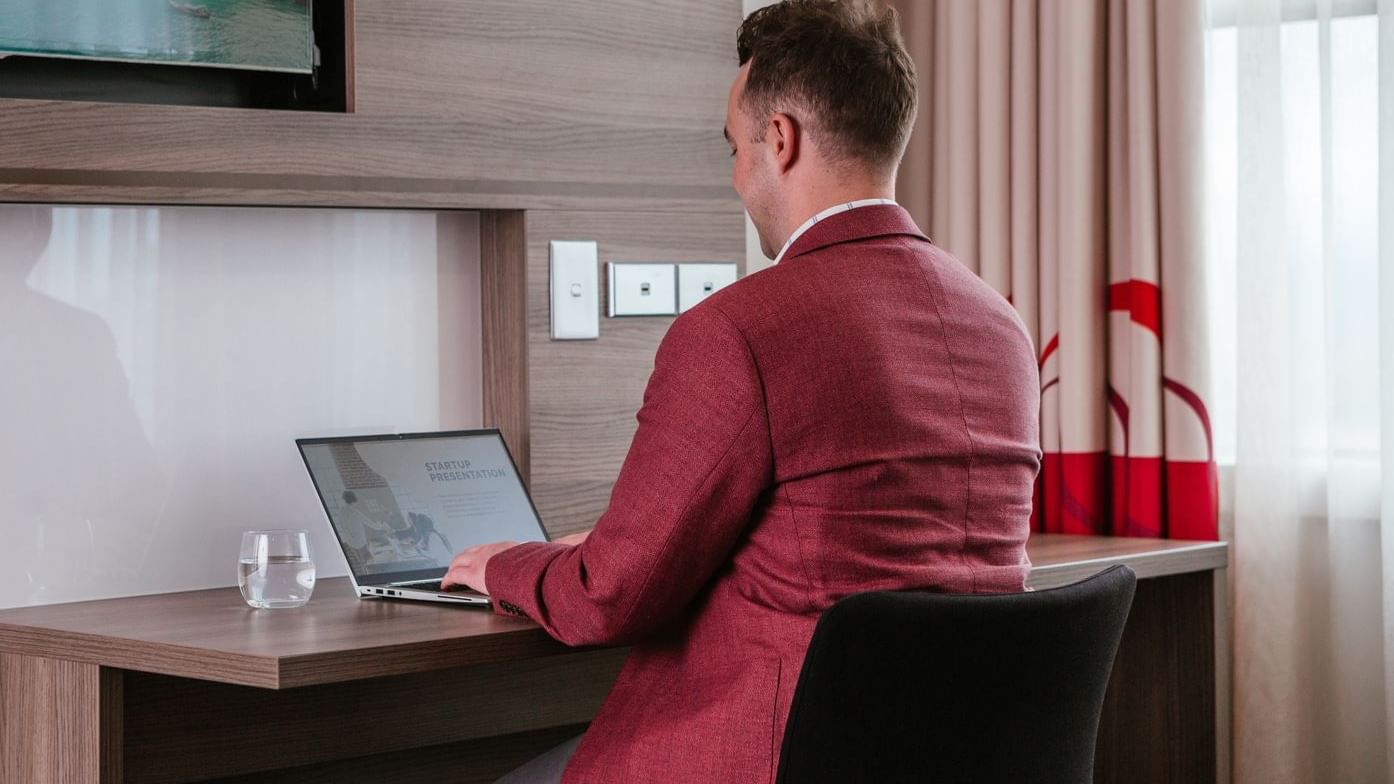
<point>770,290</point>
<point>745,302</point>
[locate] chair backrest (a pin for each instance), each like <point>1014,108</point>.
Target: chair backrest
<point>934,688</point>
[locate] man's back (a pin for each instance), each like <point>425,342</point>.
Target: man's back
<point>903,398</point>
<point>860,417</point>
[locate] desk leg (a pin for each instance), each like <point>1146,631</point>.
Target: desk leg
<point>60,722</point>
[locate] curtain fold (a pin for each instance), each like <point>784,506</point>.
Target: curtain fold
<point>1313,523</point>
<point>1068,175</point>
<point>1386,338</point>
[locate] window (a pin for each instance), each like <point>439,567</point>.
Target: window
<point>1331,222</point>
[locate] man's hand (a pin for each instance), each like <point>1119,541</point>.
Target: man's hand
<point>467,568</point>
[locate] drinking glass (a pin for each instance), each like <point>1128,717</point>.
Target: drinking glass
<point>275,569</point>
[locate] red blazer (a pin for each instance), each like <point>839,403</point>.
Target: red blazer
<point>862,416</point>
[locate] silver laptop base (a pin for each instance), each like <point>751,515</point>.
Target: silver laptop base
<point>403,592</point>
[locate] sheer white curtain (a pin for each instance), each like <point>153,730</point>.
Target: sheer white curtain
<point>1301,111</point>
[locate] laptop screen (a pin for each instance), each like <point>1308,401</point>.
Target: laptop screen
<point>403,506</point>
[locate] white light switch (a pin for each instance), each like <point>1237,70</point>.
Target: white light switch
<point>643,289</point>
<point>575,291</point>
<point>696,282</point>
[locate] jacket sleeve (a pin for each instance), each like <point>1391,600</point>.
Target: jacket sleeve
<point>699,462</point>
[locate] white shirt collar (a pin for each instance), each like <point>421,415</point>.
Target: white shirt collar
<point>833,210</point>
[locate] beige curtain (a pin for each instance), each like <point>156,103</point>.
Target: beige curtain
<point>1303,106</point>
<point>1058,153</point>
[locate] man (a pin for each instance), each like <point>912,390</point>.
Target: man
<point>860,416</point>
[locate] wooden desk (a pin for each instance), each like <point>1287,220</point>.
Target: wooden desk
<point>197,686</point>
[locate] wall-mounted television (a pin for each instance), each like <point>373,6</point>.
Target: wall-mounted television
<point>259,35</point>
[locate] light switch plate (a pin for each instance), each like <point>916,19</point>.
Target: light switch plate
<point>575,290</point>
<point>696,282</point>
<point>643,289</point>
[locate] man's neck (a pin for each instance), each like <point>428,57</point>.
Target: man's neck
<point>815,200</point>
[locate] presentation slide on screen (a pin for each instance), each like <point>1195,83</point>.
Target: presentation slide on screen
<point>403,505</point>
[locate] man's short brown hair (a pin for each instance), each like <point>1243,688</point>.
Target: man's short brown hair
<point>839,67</point>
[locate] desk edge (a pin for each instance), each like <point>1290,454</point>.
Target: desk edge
<point>1198,557</point>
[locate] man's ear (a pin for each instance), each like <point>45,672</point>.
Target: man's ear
<point>785,137</point>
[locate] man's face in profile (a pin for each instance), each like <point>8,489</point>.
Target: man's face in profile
<point>751,167</point>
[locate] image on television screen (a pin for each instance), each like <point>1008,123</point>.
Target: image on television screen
<point>263,35</point>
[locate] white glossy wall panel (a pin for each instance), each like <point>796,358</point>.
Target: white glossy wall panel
<point>156,365</point>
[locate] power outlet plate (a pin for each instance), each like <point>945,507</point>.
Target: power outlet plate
<point>643,289</point>
<point>575,290</point>
<point>696,282</point>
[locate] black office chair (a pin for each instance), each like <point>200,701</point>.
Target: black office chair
<point>933,688</point>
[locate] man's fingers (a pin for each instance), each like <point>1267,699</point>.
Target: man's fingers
<point>467,567</point>
<point>454,575</point>
<point>462,559</point>
<point>457,575</point>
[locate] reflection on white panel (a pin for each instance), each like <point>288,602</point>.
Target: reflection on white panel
<point>156,365</point>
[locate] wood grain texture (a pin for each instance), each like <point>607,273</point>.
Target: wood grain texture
<point>214,635</point>
<point>467,762</point>
<point>1224,679</point>
<point>1060,559</point>
<point>87,186</point>
<point>462,98</point>
<point>111,724</point>
<point>413,665</point>
<point>504,304</point>
<point>648,63</point>
<point>1158,723</point>
<point>186,730</point>
<point>59,721</point>
<point>350,58</point>
<point>584,394</point>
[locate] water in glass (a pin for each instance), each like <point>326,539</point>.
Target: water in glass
<point>275,569</point>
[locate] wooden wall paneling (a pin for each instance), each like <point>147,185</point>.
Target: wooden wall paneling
<point>60,721</point>
<point>631,62</point>
<point>186,730</point>
<point>462,103</point>
<point>584,394</point>
<point>96,187</point>
<point>503,272</point>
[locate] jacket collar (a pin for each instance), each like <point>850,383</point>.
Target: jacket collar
<point>852,225</point>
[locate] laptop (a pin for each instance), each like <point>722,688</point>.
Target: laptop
<point>401,506</point>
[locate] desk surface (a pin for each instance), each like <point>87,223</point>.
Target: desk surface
<point>214,635</point>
